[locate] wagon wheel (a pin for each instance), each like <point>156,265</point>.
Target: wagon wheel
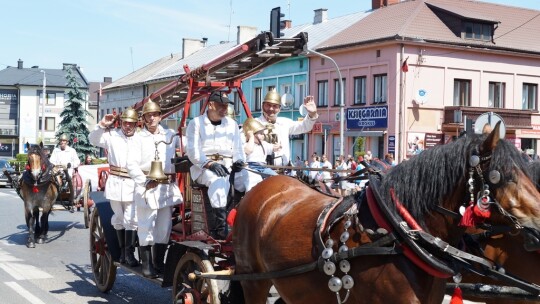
<point>77,185</point>
<point>101,260</point>
<point>199,291</point>
<point>86,197</point>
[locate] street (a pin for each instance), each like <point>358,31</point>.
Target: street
<point>58,271</point>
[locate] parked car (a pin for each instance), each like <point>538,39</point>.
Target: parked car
<point>3,178</point>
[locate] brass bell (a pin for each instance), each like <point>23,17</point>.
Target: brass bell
<point>156,172</point>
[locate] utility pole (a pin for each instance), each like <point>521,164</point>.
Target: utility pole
<point>43,107</point>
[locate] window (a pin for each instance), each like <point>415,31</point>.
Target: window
<point>322,93</point>
<point>257,98</point>
<point>49,123</point>
<point>270,88</point>
<point>462,92</point>
<point>477,31</point>
<point>530,96</point>
<point>237,103</point>
<point>50,100</point>
<point>299,94</point>
<point>337,92</point>
<point>380,86</point>
<point>360,90</point>
<point>496,94</point>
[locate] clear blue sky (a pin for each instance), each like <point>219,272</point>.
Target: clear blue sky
<point>114,37</point>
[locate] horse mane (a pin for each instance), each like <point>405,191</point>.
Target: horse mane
<point>534,172</point>
<point>427,179</point>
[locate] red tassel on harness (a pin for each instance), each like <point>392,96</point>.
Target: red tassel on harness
<point>27,167</point>
<point>457,297</point>
<point>474,215</point>
<point>231,217</point>
<point>35,189</point>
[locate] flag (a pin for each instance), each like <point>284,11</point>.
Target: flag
<point>405,66</point>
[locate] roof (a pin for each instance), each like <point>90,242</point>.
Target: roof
<point>13,76</point>
<point>424,19</point>
<point>145,73</point>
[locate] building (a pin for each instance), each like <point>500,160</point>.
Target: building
<point>21,105</point>
<point>414,70</point>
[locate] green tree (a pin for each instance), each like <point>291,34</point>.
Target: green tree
<point>73,122</point>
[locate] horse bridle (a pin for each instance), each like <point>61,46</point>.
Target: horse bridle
<point>43,168</point>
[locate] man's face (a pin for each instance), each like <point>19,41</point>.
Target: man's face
<point>128,128</point>
<point>63,144</point>
<point>271,111</point>
<point>217,110</point>
<point>152,119</point>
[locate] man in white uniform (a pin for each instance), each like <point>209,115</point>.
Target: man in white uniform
<point>119,187</point>
<point>64,155</point>
<point>213,145</point>
<point>153,199</point>
<point>284,126</point>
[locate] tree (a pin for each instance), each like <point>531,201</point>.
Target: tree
<point>73,122</point>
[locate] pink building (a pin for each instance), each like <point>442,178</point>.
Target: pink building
<point>414,71</point>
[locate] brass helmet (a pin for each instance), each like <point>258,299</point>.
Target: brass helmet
<point>63,137</point>
<point>272,97</point>
<point>251,124</point>
<point>150,107</point>
<point>130,115</point>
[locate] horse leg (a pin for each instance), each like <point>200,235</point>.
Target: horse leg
<point>44,226</point>
<point>256,292</point>
<point>31,221</point>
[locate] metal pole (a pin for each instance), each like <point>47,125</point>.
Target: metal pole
<point>43,107</point>
<point>341,103</point>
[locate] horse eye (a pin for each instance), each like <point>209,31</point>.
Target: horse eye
<point>494,177</point>
<point>474,160</point>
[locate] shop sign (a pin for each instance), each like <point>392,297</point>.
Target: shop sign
<point>367,117</point>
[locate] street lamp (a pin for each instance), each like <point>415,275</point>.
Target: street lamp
<point>341,101</point>
<point>43,107</point>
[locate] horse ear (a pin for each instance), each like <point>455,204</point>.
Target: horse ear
<point>493,138</point>
<point>41,145</point>
<point>27,146</point>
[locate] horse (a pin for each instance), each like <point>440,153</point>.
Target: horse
<point>282,225</point>
<point>38,189</point>
<point>508,252</point>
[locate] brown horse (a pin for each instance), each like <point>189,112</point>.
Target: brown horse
<point>280,225</point>
<point>38,190</point>
<point>508,252</point>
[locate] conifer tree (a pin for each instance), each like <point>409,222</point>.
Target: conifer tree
<point>74,114</point>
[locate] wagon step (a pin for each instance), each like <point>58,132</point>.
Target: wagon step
<point>138,271</point>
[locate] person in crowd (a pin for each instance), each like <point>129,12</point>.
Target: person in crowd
<point>283,126</point>
<point>119,187</point>
<point>351,163</point>
<point>368,157</point>
<point>341,185</point>
<point>256,149</point>
<point>326,175</point>
<point>64,155</point>
<point>214,147</point>
<point>88,159</point>
<point>389,159</point>
<point>154,199</point>
<point>315,164</point>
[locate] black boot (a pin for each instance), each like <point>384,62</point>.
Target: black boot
<point>120,234</point>
<point>158,252</point>
<point>130,248</point>
<point>147,267</point>
<point>219,230</point>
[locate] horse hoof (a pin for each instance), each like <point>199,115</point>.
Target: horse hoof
<point>41,241</point>
<point>31,245</point>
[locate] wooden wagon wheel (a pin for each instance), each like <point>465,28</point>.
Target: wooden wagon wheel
<point>185,291</point>
<point>101,260</point>
<point>77,185</point>
<point>86,202</point>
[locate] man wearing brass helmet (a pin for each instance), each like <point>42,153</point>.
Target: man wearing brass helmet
<point>256,149</point>
<point>213,145</point>
<point>153,199</point>
<point>284,126</point>
<point>119,187</point>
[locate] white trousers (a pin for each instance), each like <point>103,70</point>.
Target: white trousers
<point>154,225</point>
<point>125,216</point>
<point>218,186</point>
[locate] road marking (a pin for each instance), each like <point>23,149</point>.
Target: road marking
<point>24,272</point>
<point>24,293</point>
<point>6,257</point>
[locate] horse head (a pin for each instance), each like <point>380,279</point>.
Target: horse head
<point>38,162</point>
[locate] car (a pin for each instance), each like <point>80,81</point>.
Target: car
<point>4,165</point>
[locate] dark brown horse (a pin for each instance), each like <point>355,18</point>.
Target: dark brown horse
<point>276,226</point>
<point>38,190</point>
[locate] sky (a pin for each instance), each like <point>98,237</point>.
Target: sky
<point>112,38</point>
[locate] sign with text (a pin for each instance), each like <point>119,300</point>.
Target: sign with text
<point>8,96</point>
<point>317,128</point>
<point>392,144</point>
<point>367,117</point>
<point>433,139</point>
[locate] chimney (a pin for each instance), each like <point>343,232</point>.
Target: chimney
<point>245,33</point>
<point>205,41</point>
<point>375,4</point>
<point>65,66</point>
<point>107,79</point>
<point>190,46</point>
<point>321,15</point>
<point>19,64</point>
<point>288,23</point>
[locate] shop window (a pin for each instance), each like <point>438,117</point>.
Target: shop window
<point>496,94</point>
<point>322,93</point>
<point>462,92</point>
<point>530,96</point>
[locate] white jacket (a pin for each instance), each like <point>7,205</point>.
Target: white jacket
<point>204,139</point>
<point>64,157</point>
<point>117,188</point>
<point>283,128</point>
<point>141,154</point>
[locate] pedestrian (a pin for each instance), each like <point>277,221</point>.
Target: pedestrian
<point>256,149</point>
<point>88,159</point>
<point>154,200</point>
<point>213,146</point>
<point>283,126</point>
<point>119,187</point>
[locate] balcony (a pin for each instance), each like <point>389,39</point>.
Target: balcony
<point>513,119</point>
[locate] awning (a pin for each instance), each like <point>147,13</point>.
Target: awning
<point>364,133</point>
